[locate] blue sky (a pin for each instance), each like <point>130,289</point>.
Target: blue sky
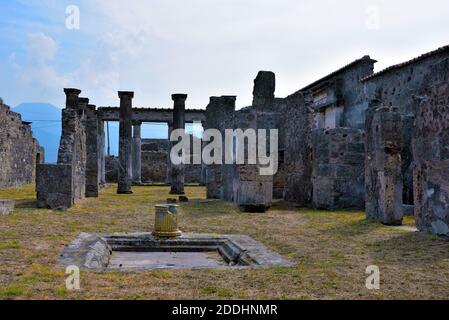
<point>200,47</point>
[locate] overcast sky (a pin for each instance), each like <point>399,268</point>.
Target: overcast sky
<point>201,47</point>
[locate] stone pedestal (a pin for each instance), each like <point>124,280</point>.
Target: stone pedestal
<point>125,143</point>
<point>178,171</point>
<point>166,221</point>
<point>137,153</point>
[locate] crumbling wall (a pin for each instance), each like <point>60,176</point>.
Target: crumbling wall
<point>61,185</point>
<point>338,169</point>
<point>19,152</point>
<point>431,152</point>
<point>383,174</point>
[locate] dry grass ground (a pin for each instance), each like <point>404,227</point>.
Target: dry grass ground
<point>332,251</point>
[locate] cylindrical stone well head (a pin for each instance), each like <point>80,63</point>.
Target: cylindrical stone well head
<point>166,221</point>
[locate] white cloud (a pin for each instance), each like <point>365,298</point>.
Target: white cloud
<point>205,48</point>
<point>41,48</point>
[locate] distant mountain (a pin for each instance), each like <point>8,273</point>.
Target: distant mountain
<point>46,126</point>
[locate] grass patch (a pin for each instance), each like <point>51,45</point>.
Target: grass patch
<point>9,245</point>
<point>12,291</point>
<point>331,249</point>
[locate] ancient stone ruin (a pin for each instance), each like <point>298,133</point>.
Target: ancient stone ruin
<point>353,139</point>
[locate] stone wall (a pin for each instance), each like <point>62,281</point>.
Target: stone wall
<point>111,169</point>
<point>339,98</point>
<point>19,151</point>
<point>338,169</point>
<point>154,164</point>
<point>397,86</point>
<point>383,175</point>
<point>154,160</point>
<point>431,152</point>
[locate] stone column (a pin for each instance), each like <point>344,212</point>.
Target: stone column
<point>179,122</point>
<point>92,148</point>
<point>102,160</point>
<point>72,98</point>
<point>137,153</point>
<point>125,143</point>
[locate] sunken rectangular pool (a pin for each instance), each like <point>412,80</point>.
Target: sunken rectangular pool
<point>143,251</point>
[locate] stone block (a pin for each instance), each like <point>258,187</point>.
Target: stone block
<point>54,186</point>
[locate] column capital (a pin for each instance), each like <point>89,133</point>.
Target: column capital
<point>123,94</point>
<point>72,91</point>
<point>179,96</point>
<point>136,123</point>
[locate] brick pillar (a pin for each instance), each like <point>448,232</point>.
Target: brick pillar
<point>125,143</point>
<point>179,122</point>
<point>137,153</point>
<point>72,98</point>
